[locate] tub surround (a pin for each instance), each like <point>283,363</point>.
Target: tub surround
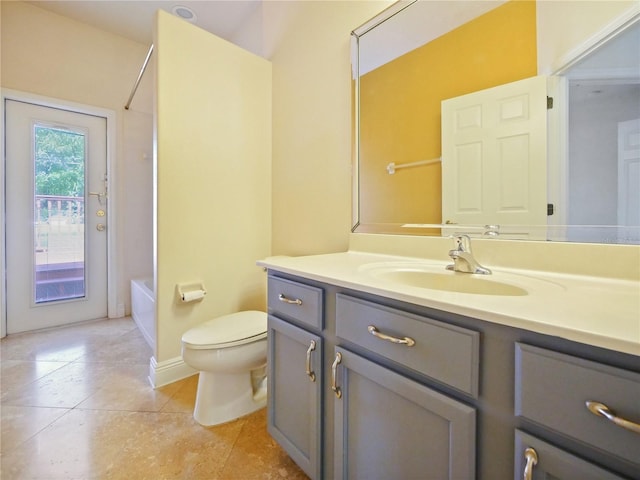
<point>143,308</point>
<point>585,293</point>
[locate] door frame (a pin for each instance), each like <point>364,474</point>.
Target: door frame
<point>110,116</point>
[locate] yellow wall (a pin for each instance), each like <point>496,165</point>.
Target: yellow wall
<point>212,177</point>
<point>400,107</point>
<point>309,45</point>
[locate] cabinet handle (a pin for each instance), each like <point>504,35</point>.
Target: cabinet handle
<point>602,410</point>
<point>408,341</point>
<point>532,459</point>
<point>334,373</point>
<point>310,374</point>
<point>284,299</point>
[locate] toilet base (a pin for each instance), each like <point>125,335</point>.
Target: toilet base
<point>223,397</point>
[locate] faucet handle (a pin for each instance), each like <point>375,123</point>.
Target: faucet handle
<point>462,243</point>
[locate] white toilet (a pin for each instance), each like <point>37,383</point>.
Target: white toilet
<point>231,354</point>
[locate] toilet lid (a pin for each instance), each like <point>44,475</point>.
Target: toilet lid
<point>228,330</point>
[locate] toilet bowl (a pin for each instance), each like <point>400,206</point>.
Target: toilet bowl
<point>231,354</point>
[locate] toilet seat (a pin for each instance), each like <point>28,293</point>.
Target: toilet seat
<point>227,331</point>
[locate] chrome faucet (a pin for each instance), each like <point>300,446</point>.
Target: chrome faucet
<point>463,260</point>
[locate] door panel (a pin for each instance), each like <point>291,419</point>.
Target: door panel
<point>56,208</point>
<point>494,155</point>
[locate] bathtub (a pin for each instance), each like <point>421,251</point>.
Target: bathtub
<point>143,308</point>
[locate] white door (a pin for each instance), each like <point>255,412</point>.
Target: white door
<point>629,173</point>
<point>56,204</point>
<point>494,155</point>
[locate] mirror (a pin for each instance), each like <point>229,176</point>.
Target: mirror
<point>414,55</point>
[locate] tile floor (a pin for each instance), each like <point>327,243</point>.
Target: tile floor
<point>76,404</point>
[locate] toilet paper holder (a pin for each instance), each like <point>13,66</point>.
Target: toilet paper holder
<point>191,292</point>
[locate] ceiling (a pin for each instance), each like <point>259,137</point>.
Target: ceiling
<point>133,19</point>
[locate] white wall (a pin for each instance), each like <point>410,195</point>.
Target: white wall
<point>593,152</point>
<point>566,27</point>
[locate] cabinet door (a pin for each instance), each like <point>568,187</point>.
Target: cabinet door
<point>294,383</point>
<point>387,426</point>
<point>549,462</point>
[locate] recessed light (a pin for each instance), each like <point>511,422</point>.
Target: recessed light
<point>185,13</point>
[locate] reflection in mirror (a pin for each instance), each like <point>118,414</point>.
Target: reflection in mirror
<point>447,50</point>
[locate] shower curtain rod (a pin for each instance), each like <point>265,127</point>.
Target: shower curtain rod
<point>135,87</point>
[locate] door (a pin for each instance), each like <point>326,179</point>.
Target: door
<point>494,155</point>
<point>56,210</point>
<point>294,375</point>
<point>629,173</point>
<point>388,426</point>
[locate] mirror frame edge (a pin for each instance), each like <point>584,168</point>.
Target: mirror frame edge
<point>630,17</point>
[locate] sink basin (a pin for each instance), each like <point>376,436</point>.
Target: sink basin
<point>436,277</point>
<point>452,282</point>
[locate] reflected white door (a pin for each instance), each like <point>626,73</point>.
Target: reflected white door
<point>56,206</point>
<point>629,173</point>
<point>494,155</point>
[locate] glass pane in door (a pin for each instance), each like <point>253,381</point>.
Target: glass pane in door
<point>59,240</point>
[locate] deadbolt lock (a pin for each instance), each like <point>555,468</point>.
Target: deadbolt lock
<point>100,227</point>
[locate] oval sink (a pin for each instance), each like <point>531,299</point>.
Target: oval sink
<point>452,282</point>
<point>436,277</point>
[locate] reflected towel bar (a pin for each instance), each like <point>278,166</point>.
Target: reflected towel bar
<point>135,86</point>
<point>392,167</point>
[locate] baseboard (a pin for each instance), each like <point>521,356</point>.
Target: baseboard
<point>168,371</point>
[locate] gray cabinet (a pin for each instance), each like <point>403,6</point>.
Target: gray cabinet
<point>544,461</point>
<point>387,426</point>
<point>426,393</point>
<point>294,385</point>
<point>554,390</point>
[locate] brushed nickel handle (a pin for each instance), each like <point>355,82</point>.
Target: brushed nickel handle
<point>532,459</point>
<point>310,374</point>
<point>284,299</point>
<point>334,373</point>
<point>408,341</point>
<point>602,410</point>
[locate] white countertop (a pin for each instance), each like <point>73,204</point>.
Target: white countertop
<point>597,311</point>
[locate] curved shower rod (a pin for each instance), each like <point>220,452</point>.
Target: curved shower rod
<point>135,87</point>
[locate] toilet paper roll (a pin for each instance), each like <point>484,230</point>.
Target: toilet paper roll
<point>193,295</point>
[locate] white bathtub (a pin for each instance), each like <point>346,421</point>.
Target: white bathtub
<point>143,308</point>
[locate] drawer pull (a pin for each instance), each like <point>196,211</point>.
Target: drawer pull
<point>310,374</point>
<point>531,457</point>
<point>284,299</point>
<point>602,410</point>
<point>334,373</point>
<point>408,341</point>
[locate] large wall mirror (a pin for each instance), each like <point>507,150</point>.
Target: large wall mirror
<point>511,119</point>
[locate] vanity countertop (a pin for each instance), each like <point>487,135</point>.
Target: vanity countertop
<point>602,312</point>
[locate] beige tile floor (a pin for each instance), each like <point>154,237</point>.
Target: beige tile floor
<point>76,404</point>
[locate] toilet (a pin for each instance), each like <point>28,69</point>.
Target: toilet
<point>231,354</point>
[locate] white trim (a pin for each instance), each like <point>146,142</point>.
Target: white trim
<point>169,371</point>
<point>614,28</point>
<point>110,116</point>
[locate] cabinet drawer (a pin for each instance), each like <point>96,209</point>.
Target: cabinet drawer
<point>443,352</point>
<point>552,462</point>
<point>295,301</point>
<point>552,388</point>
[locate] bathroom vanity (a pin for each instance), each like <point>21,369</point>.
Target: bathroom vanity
<point>379,369</point>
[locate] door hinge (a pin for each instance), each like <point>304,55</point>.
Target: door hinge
<point>549,209</point>
<point>549,103</point>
